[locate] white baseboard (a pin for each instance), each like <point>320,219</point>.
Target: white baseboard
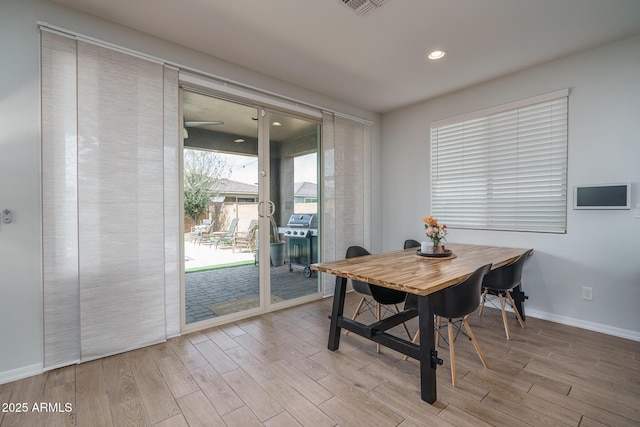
<point>570,321</point>
<point>591,326</point>
<point>20,373</point>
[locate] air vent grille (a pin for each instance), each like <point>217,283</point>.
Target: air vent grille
<point>363,7</point>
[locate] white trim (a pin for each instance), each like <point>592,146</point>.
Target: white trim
<point>346,116</point>
<point>234,89</point>
<point>20,373</point>
<point>223,84</point>
<point>44,26</point>
<point>583,324</point>
<point>578,323</point>
<point>504,107</point>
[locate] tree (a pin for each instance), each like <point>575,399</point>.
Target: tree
<point>203,174</point>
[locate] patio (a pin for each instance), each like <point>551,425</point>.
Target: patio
<point>201,256</point>
<point>206,289</point>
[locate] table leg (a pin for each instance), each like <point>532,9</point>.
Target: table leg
<point>336,312</point>
<point>428,357</point>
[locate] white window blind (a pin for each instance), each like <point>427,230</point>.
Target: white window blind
<point>503,168</point>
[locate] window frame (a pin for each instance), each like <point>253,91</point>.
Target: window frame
<point>504,167</point>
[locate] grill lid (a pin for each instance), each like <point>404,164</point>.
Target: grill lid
<point>303,220</point>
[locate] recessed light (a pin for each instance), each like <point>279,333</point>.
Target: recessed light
<point>276,124</point>
<point>239,140</point>
<point>437,54</point>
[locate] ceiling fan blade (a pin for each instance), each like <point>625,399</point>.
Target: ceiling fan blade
<point>195,124</point>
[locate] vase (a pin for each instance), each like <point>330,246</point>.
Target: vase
<point>437,249</point>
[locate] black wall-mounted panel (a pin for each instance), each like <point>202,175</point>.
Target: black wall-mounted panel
<point>614,196</point>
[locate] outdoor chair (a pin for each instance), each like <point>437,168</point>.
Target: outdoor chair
<point>246,239</point>
<point>381,296</point>
<point>198,231</point>
<point>224,237</point>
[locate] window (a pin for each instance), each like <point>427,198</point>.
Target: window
<point>503,168</point>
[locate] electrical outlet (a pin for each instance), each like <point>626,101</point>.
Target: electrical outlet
<point>587,293</point>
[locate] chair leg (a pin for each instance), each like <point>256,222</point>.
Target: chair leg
<point>357,312</point>
<point>474,341</point>
<point>403,323</point>
<point>513,306</point>
<point>452,356</point>
<point>504,316</point>
<point>416,337</point>
<point>484,299</point>
<point>415,340</point>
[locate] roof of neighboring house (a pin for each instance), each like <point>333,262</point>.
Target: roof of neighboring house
<point>305,189</point>
<point>228,186</point>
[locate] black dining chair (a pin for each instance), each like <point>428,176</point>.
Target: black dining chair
<point>381,296</point>
<point>501,282</point>
<point>410,243</point>
<point>455,303</point>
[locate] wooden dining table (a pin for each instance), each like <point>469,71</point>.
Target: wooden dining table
<point>407,271</point>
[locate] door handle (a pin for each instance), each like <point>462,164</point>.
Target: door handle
<point>270,212</point>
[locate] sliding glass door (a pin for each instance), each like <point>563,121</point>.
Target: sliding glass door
<point>243,167</point>
<point>293,162</point>
<point>221,191</point>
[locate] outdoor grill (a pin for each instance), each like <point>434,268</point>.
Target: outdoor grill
<point>301,233</point>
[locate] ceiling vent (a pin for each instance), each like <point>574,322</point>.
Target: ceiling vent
<point>363,7</point>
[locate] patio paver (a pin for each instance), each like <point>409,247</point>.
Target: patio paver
<point>206,288</point>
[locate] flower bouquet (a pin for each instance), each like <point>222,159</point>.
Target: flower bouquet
<point>437,233</point>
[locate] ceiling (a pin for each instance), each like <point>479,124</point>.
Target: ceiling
<point>378,61</point>
<point>239,120</point>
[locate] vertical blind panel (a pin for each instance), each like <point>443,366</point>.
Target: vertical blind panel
<point>346,147</point>
<point>172,235</point>
<point>328,198</point>
<point>349,196</point>
<point>504,171</point>
<point>120,194</point>
<point>367,163</point>
<point>59,201</point>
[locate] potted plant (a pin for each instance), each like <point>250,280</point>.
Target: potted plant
<point>277,245</point>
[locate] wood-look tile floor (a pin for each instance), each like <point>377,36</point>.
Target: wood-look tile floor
<point>275,370</point>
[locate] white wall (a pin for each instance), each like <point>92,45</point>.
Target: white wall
<point>21,328</point>
<point>601,248</point>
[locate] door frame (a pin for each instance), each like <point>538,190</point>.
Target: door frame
<point>264,191</point>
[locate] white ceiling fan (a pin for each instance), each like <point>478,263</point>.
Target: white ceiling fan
<point>197,124</point>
